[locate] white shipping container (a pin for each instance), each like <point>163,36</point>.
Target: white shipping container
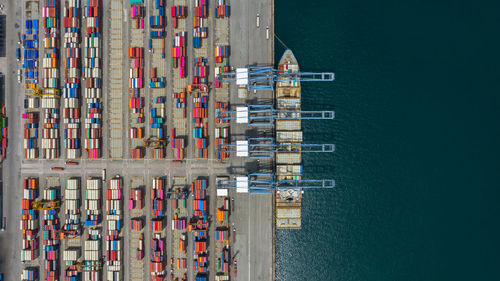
<point>71,254</point>
<point>73,153</point>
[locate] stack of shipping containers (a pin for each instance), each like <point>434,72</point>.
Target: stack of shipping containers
<point>178,12</point>
<point>114,202</point>
<point>92,263</point>
<point>222,231</point>
<point>29,225</point>
<point>199,227</point>
<point>200,109</point>
<point>179,229</point>
<point>136,100</point>
<point>3,122</point>
<point>137,93</point>
<point>72,227</point>
<point>158,213</point>
<point>221,60</point>
<point>92,71</point>
<point>72,76</point>
<point>157,80</point>
<point>31,135</point>
<point>200,22</point>
<point>93,216</point>
<point>158,249</point>
<point>50,229</point>
<point>179,96</point>
<point>221,92</point>
<point>30,64</point>
<point>29,274</point>
<point>50,81</point>
<point>199,84</point>
<point>136,234</point>
<point>179,53</point>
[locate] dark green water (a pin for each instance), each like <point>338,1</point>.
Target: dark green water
<point>417,134</point>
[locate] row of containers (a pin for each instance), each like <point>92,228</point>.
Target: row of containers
<point>179,226</point>
<point>30,42</point>
<point>3,125</point>
<point>157,22</point>
<point>222,268</point>
<point>72,227</point>
<point>50,229</point>
<point>200,22</point>
<point>221,63</point>
<point>179,53</point>
<point>136,100</point>
<point>136,82</point>
<point>30,142</point>
<point>71,91</point>
<point>177,143</point>
<point>179,232</point>
<point>222,10</point>
<point>222,232</point>
<point>92,255</point>
<point>158,213</point>
<point>136,202</point>
<point>221,139</point>
<point>178,12</point>
<point>200,110</point>
<point>179,61</point>
<point>92,258</point>
<point>31,55</point>
<point>137,14</point>
<point>50,81</point>
<point>29,224</point>
<point>157,122</point>
<point>114,202</point>
<point>29,274</point>
<point>199,227</point>
<point>221,59</point>
<point>157,81</point>
<point>92,71</point>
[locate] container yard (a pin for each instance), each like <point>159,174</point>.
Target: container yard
<point>126,120</point>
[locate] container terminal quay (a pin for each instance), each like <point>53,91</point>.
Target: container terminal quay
<point>149,140</point>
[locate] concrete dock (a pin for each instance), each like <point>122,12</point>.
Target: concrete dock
<point>251,216</point>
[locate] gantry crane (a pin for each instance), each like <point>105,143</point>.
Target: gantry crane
<point>265,183</point>
<point>265,115</point>
<point>69,233</point>
<point>264,77</point>
<point>96,266</point>
<point>47,93</point>
<point>265,148</point>
<point>197,88</point>
<point>154,142</point>
<point>46,205</point>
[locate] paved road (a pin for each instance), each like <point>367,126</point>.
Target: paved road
<point>9,260</point>
<point>252,213</point>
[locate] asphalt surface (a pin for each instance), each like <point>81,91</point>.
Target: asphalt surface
<point>10,239</point>
<point>252,214</point>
